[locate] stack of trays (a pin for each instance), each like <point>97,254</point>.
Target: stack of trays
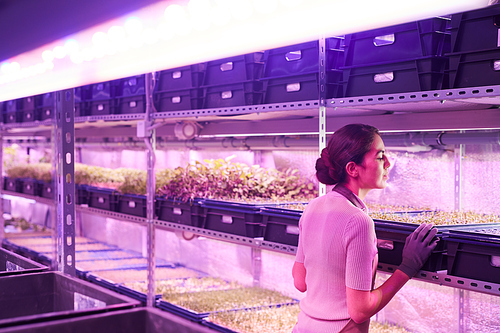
<point>131,95</point>
<point>102,98</point>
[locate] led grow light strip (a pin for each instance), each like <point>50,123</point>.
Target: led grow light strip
<point>172,34</point>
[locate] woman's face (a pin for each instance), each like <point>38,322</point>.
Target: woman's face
<point>373,172</point>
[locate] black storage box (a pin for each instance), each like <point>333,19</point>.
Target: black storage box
<point>131,86</point>
<point>137,320</point>
<point>131,104</point>
<point>31,186</point>
<point>391,238</point>
<point>474,255</point>
<point>10,117</point>
<point>28,116</point>
<point>234,94</point>
<point>407,76</point>
<point>182,78</point>
<point>14,264</point>
<point>46,190</point>
<point>132,204</point>
<point>407,41</point>
<point>282,225</point>
<point>81,194</point>
<point>45,112</point>
<point>173,210</point>
<point>103,198</point>
<point>102,90</point>
<point>187,99</point>
<point>13,184</point>
<point>38,297</point>
<point>235,69</point>
<point>233,218</point>
<point>101,107</point>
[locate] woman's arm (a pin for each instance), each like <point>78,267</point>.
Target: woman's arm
<point>361,305</point>
<point>299,276</point>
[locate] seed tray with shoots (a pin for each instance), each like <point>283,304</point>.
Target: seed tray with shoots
<point>46,240</point>
<point>222,300</point>
<point>137,275</point>
<point>276,319</point>
<point>193,284</point>
<point>439,217</point>
<point>44,248</point>
<point>96,265</point>
<point>107,255</point>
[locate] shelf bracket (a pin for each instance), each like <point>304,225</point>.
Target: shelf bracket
<point>65,185</point>
<point>322,102</point>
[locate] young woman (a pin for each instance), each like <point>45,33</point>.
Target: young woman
<point>337,256</point>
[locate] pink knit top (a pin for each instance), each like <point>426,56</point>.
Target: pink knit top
<point>338,247</point>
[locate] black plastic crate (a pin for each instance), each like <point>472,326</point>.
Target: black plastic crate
<point>282,225</point>
<point>188,99</point>
<point>474,254</point>
<point>14,264</point>
<point>39,297</point>
<point>392,236</point>
<point>407,41</point>
<point>475,30</point>
<point>406,76</point>
<point>474,69</point>
<point>81,109</point>
<point>31,186</point>
<point>11,106</point>
<point>182,78</point>
<point>28,116</point>
<point>13,184</point>
<point>26,103</point>
<point>82,93</point>
<point>301,87</point>
<point>235,69</point>
<point>45,112</point>
<point>132,204</point>
<point>302,58</point>
<point>103,198</point>
<point>47,190</point>
<point>131,86</point>
<point>101,107</point>
<point>10,117</point>
<point>234,218</point>
<point>103,90</point>
<point>131,104</point>
<point>235,94</point>
<point>189,213</point>
<point>47,99</point>
<point>81,194</point>
<point>137,320</point>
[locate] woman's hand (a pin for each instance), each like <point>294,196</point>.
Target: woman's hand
<point>299,276</point>
<point>418,248</point>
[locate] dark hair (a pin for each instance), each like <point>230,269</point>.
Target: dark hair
<point>349,143</point>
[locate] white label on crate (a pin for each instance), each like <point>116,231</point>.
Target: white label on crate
<point>28,115</point>
<point>226,94</point>
<point>293,55</point>
<point>385,244</point>
<point>28,187</point>
<point>292,87</point>
<point>100,107</point>
<point>131,204</point>
<point>10,266</point>
<point>177,211</point>
<point>176,75</point>
<point>100,200</point>
<point>49,190</point>
<point>384,40</point>
<point>227,219</point>
<point>292,229</point>
<point>100,86</point>
<point>82,302</point>
<point>132,81</point>
<point>176,100</point>
<point>132,104</point>
<point>47,112</point>
<point>384,77</point>
<point>495,261</point>
<point>227,66</point>
<point>496,65</point>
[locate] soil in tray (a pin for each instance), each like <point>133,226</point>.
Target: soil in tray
<point>95,265</point>
<point>106,255</point>
<point>276,320</point>
<point>134,275</point>
<point>42,248</point>
<point>221,300</point>
<point>47,240</point>
<point>193,284</point>
<point>439,217</point>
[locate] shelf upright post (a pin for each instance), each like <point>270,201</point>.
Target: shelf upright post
<point>459,156</point>
<point>2,221</point>
<point>150,140</point>
<point>65,184</point>
<point>322,102</point>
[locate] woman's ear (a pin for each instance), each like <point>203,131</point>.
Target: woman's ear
<point>352,169</point>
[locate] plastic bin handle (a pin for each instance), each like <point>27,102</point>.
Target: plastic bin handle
<point>384,40</point>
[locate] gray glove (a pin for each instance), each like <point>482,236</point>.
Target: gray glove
<point>418,248</point>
